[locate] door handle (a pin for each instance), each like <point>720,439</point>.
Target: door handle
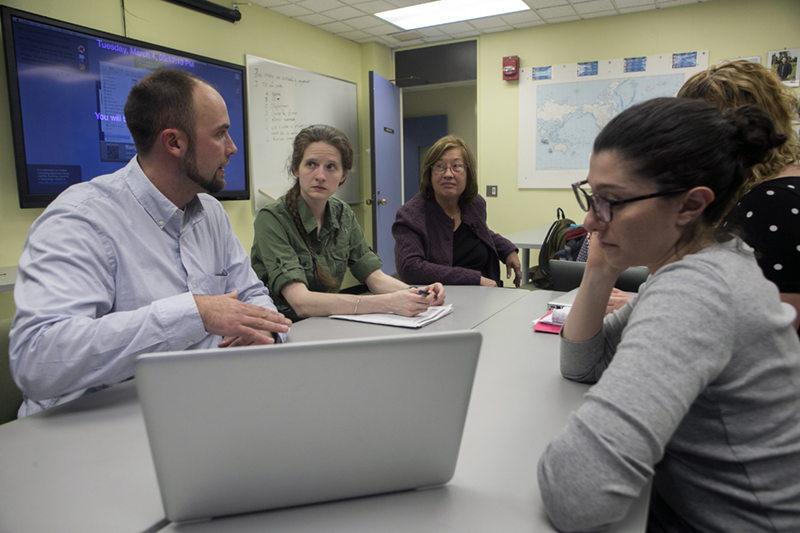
<point>383,201</point>
<point>369,201</point>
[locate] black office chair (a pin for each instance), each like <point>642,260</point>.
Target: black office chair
<point>567,275</point>
<point>10,395</point>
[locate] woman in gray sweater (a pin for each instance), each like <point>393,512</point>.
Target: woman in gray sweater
<point>698,377</point>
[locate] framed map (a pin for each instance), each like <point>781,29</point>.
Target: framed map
<point>560,118</point>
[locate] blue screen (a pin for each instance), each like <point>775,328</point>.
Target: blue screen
<point>72,91</point>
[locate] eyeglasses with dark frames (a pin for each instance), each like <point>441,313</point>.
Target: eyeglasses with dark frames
<point>602,207</point>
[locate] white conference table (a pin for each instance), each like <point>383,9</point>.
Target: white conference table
<point>519,402</point>
<point>86,466</point>
<point>8,276</point>
<point>527,240</point>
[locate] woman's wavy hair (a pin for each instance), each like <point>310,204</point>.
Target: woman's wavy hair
<point>435,153</point>
<point>314,134</point>
<point>741,83</point>
<point>679,143</point>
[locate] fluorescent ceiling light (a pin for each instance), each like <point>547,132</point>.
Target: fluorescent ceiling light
<point>447,11</point>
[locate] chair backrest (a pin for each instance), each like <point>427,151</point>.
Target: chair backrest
<point>10,395</point>
<point>567,275</point>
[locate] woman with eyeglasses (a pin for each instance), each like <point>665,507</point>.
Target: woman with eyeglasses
<point>441,233</point>
<point>698,377</point>
<point>305,242</point>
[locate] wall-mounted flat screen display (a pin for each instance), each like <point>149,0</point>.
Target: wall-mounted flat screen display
<point>67,89</point>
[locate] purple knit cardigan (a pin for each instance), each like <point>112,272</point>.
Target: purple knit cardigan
<point>423,243</point>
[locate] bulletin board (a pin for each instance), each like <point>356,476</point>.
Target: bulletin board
<point>282,100</point>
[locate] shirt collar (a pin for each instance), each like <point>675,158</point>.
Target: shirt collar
<point>307,217</point>
<point>158,206</point>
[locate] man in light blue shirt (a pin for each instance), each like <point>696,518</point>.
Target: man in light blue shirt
<point>140,260</point>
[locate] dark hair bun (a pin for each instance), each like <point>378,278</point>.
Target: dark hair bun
<point>754,134</point>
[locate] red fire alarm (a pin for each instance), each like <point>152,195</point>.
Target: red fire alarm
<point>511,68</point>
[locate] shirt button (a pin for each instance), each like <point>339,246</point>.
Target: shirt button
<point>161,223</point>
<point>189,343</point>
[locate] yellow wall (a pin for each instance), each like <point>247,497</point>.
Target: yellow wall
<point>727,28</point>
<point>458,103</point>
<point>261,32</point>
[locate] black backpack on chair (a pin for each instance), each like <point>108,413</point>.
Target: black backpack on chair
<point>555,241</point>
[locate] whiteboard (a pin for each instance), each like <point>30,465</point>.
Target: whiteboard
<point>282,100</point>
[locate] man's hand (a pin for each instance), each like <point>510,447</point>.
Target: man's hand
<point>239,323</point>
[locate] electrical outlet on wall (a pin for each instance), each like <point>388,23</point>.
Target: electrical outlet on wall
<point>491,190</point>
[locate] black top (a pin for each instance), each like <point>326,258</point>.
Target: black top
<point>769,218</point>
<point>470,252</point>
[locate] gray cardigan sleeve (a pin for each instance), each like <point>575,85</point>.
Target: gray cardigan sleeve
<point>598,464</point>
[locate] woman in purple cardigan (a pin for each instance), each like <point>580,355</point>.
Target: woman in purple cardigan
<point>441,233</point>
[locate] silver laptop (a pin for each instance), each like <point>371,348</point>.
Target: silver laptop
<point>249,429</point>
<point>565,300</point>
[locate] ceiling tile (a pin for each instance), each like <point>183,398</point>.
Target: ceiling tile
<point>335,27</point>
<point>598,14</point>
<point>549,13</point>
<point>488,22</point>
<point>407,43</point>
<point>292,10</point>
<point>672,3</point>
<point>355,20</point>
<point>318,6</point>
<point>383,29</point>
<point>464,35</point>
<point>367,21</point>
<point>557,20</point>
<point>407,3</point>
<point>539,4</point>
<point>353,35</point>
<point>271,3</point>
<point>521,17</point>
<point>314,19</point>
<point>375,6</point>
<point>636,9</point>
<point>529,24</point>
<point>621,4</point>
<point>498,29</point>
<point>456,27</point>
<point>593,7</point>
<point>432,31</point>
<point>437,38</point>
<point>344,13</point>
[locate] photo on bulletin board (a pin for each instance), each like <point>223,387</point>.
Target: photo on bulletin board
<point>784,64</point>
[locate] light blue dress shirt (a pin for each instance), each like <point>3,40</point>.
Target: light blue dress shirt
<point>108,272</point>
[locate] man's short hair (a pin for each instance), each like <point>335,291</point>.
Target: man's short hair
<point>163,99</point>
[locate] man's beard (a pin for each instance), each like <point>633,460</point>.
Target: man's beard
<point>189,168</point>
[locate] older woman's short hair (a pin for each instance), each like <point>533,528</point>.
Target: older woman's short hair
<point>436,152</point>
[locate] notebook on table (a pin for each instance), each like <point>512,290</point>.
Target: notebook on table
<point>257,428</point>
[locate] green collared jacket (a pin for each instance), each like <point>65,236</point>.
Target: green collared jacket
<point>280,256</point>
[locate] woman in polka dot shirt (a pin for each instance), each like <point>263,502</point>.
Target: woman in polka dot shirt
<point>768,212</point>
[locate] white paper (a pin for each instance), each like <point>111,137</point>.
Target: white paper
<point>390,319</point>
